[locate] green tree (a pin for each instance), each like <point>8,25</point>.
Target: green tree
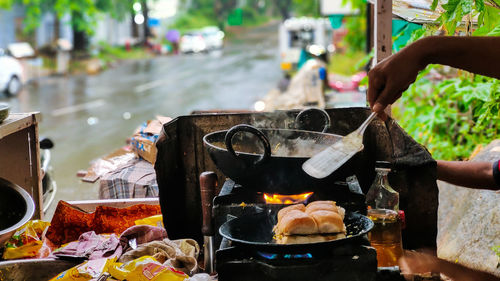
<point>306,8</point>
<point>83,12</point>
<point>455,113</point>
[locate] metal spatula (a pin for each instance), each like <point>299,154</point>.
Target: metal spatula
<point>330,159</point>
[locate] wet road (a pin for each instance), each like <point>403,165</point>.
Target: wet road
<point>90,116</point>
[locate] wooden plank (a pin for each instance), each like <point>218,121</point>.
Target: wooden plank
<point>35,171</point>
<point>18,121</point>
<point>20,161</point>
<point>383,29</point>
<point>383,33</point>
<point>369,29</point>
<point>15,163</point>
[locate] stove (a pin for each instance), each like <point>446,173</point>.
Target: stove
<point>346,262</point>
<point>182,157</point>
<point>355,260</point>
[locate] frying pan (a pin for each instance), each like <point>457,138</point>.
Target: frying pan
<point>277,168</point>
<point>256,230</point>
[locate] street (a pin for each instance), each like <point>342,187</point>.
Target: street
<point>90,116</point>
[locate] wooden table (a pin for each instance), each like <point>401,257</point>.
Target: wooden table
<point>20,155</point>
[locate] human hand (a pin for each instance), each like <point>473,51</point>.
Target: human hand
<point>391,77</point>
<point>415,262</point>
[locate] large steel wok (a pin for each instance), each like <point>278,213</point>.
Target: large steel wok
<point>256,230</point>
<point>270,160</point>
<point>16,208</point>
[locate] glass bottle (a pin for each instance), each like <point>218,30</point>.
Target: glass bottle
<point>383,206</point>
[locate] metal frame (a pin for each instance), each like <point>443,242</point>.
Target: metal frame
<point>20,155</point>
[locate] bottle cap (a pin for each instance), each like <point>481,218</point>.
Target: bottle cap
<point>383,164</point>
<point>402,218</point>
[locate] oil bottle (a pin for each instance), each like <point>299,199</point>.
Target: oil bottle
<point>383,209</point>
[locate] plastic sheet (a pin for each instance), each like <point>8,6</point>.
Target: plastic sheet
<point>145,268</point>
<point>26,241</point>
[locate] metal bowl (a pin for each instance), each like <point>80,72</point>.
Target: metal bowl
<point>4,111</point>
<point>16,208</point>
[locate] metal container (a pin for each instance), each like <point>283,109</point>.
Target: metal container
<point>16,208</point>
<point>279,168</point>
<point>33,269</point>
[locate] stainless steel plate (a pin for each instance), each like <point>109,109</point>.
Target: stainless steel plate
<point>33,270</point>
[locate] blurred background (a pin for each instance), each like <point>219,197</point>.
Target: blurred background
<point>98,70</point>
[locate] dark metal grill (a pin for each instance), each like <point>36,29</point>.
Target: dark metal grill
<point>351,261</point>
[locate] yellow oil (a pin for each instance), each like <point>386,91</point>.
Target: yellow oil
<point>385,236</point>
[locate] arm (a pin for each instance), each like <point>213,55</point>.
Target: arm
<point>413,262</point>
<point>467,173</point>
<point>392,76</point>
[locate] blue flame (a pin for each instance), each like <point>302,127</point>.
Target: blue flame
<point>298,256</point>
<point>270,256</point>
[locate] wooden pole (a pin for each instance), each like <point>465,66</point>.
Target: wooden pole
<point>383,29</point>
<point>383,32</point>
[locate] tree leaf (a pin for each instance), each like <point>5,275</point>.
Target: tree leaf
<point>453,15</point>
<point>495,31</point>
<point>480,5</point>
<point>466,7</point>
<point>434,5</point>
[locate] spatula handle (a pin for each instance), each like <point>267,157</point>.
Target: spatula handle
<point>365,124</point>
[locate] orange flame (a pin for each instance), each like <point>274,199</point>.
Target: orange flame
<point>286,199</point>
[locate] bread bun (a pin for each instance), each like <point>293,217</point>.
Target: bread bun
<point>341,212</point>
<point>322,202</point>
<point>296,222</point>
<point>317,222</point>
<point>328,221</point>
<point>319,207</point>
<point>325,205</point>
<point>285,210</point>
<point>304,239</point>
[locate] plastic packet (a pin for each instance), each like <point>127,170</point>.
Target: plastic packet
<point>26,241</point>
<point>89,270</point>
<point>156,220</point>
<point>69,222</point>
<point>145,268</point>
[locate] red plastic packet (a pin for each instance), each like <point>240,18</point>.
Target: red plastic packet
<point>69,222</point>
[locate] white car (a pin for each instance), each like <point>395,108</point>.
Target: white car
<point>192,42</point>
<point>11,74</point>
<point>214,37</point>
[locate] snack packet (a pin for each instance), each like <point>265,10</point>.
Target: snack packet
<point>26,241</point>
<point>145,268</point>
<point>69,222</point>
<point>89,270</point>
<point>156,220</point>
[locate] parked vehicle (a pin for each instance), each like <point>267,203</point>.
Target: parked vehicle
<point>295,34</point>
<point>48,183</point>
<point>193,42</point>
<point>11,74</point>
<point>214,37</point>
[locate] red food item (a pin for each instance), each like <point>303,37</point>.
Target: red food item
<point>69,222</point>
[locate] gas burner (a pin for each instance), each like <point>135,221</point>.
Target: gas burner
<point>351,261</point>
<point>347,262</point>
